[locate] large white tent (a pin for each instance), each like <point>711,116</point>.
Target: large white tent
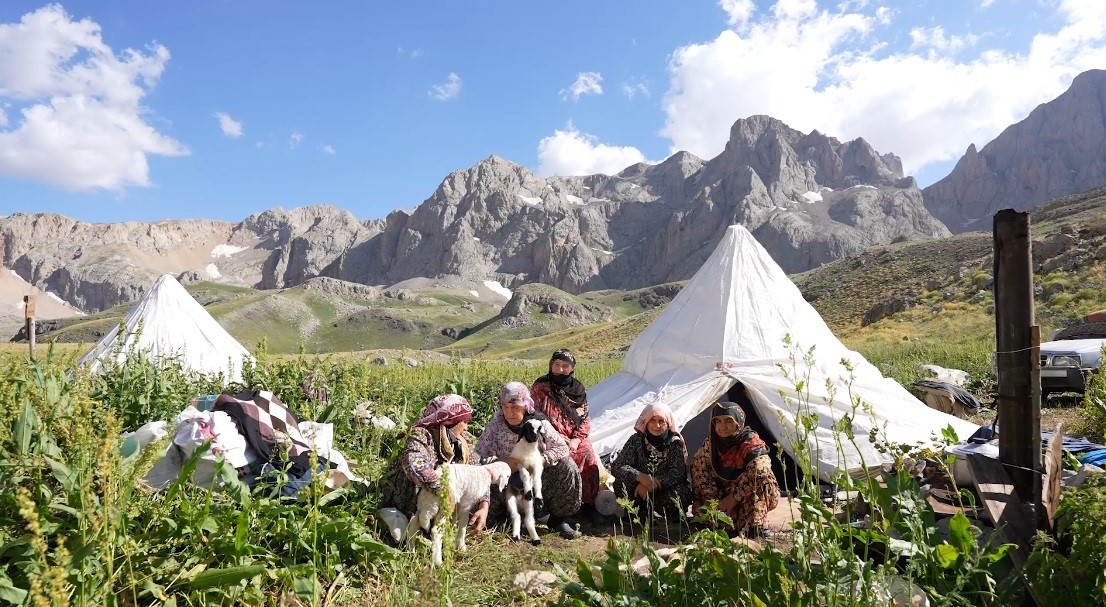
<point>732,323</point>
<point>168,322</point>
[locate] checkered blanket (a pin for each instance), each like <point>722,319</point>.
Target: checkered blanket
<point>269,426</point>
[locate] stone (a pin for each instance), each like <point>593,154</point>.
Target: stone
<point>535,582</point>
<point>410,362</point>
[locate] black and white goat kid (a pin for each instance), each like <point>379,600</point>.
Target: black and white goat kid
<point>520,502</point>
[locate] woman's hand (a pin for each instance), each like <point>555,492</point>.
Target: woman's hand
<point>479,517</point>
<point>727,503</point>
<point>641,492</point>
<point>513,462</point>
<point>573,444</point>
<point>651,483</point>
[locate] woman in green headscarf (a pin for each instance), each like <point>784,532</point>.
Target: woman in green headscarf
<point>734,468</point>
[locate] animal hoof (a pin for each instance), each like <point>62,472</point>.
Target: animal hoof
<point>536,542</point>
<point>529,495</point>
<point>515,538</point>
<point>539,503</point>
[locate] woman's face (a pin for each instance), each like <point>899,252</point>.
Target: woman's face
<point>560,367</point>
<point>725,426</point>
<point>656,425</point>
<point>513,413</point>
<point>459,429</point>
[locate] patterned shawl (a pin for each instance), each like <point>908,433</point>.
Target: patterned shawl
<point>730,455</point>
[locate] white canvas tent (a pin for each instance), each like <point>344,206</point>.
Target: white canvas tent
<point>728,325</point>
<point>167,321</point>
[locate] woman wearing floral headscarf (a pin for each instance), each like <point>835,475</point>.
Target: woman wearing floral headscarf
<point>440,436</point>
<point>561,478</point>
<point>651,468</point>
<point>733,467</point>
<point>564,401</point>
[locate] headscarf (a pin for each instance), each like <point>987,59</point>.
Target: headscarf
<point>440,414</point>
<point>568,392</point>
<point>731,454</point>
<point>516,393</point>
<point>670,433</point>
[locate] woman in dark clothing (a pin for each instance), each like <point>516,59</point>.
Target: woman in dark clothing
<point>734,468</point>
<point>439,437</point>
<point>563,400</point>
<point>651,468</point>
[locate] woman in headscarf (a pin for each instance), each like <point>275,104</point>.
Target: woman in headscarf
<point>560,479</point>
<point>440,436</point>
<point>651,468</point>
<point>563,400</point>
<point>733,467</point>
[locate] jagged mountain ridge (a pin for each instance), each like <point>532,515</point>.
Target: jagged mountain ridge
<point>809,199</point>
<point>1058,150</point>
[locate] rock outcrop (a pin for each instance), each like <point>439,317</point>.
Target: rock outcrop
<point>1059,149</point>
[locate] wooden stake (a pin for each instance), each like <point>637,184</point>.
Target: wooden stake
<point>29,322</point>
<point>1017,356</point>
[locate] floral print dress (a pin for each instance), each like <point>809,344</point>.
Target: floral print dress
<point>755,490</point>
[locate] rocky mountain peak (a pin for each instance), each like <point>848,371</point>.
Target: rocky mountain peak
<point>1059,149</point>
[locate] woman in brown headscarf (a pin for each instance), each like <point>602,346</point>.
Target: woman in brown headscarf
<point>563,400</point>
<point>440,436</point>
<point>733,467</point>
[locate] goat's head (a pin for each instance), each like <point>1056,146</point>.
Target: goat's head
<point>500,473</point>
<point>532,430</point>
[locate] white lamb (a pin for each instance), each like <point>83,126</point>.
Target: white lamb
<point>466,486</point>
<point>531,463</point>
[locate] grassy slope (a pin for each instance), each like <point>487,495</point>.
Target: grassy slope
<point>953,324</point>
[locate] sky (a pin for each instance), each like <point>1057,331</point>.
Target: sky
<point>220,109</point>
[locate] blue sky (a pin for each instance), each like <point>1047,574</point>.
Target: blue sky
<point>138,110</point>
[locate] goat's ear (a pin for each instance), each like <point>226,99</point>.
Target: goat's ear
<point>501,482</point>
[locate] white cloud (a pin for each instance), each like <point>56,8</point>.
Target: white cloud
<point>80,125</point>
<point>885,15</point>
<point>827,73</point>
<point>412,53</point>
<point>448,89</point>
<point>570,152</point>
<point>987,3</point>
<point>935,38</point>
<point>587,83</point>
<point>295,140</point>
<point>329,149</point>
<point>737,11</point>
<point>230,126</point>
<point>633,89</point>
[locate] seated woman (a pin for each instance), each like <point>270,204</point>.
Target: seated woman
<point>560,479</point>
<point>651,468</point>
<point>734,468</point>
<point>439,437</point>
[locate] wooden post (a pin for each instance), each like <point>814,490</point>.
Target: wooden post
<point>29,321</point>
<point>1019,374</point>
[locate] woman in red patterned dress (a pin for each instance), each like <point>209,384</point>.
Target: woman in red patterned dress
<point>734,468</point>
<point>564,401</point>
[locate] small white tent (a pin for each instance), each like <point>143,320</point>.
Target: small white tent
<point>166,322</point>
<point>730,324</point>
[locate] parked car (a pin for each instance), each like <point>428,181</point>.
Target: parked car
<point>1073,355</point>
